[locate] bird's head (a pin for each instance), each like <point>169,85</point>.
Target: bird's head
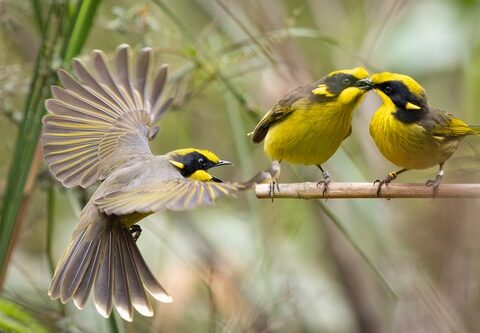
<point>342,85</point>
<point>399,91</point>
<point>194,163</point>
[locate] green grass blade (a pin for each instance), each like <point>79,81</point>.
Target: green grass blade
<point>79,28</point>
<point>29,132</point>
<point>23,155</point>
<point>37,10</point>
<point>14,319</point>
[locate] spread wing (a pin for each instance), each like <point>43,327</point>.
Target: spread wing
<point>176,194</point>
<point>104,119</point>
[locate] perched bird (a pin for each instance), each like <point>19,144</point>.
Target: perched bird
<point>308,125</point>
<point>98,130</point>
<point>408,131</point>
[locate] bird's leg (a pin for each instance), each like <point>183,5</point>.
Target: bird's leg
<point>325,181</point>
<point>438,179</point>
<point>274,172</point>
<point>385,181</point>
<point>136,231</point>
<point>269,176</point>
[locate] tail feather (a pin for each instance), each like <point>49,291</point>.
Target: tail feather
<point>103,256</point>
<point>103,290</point>
<point>137,290</point>
<point>121,290</point>
<point>149,281</point>
<point>83,291</point>
<point>58,277</point>
<point>75,272</point>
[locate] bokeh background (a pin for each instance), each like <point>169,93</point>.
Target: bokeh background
<point>247,265</point>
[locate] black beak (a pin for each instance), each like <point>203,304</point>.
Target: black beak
<point>364,84</point>
<point>223,162</point>
<point>220,163</point>
<point>215,179</point>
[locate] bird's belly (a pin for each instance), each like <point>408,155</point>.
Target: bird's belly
<point>307,137</point>
<point>409,145</point>
<point>131,219</point>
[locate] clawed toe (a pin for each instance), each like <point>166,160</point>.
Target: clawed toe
<point>380,183</point>
<point>434,183</point>
<point>136,231</point>
<point>273,186</point>
<point>385,181</point>
<point>324,182</point>
<point>437,181</point>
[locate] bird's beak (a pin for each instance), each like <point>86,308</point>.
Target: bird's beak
<point>220,163</point>
<point>223,162</point>
<point>364,84</point>
<point>215,179</point>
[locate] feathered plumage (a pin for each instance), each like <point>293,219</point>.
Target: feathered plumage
<point>98,129</point>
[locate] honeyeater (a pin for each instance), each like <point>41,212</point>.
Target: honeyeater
<point>98,130</point>
<point>308,125</point>
<point>408,131</point>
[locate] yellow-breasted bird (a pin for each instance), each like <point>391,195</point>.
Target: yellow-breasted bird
<point>98,130</point>
<point>308,125</point>
<point>408,131</point>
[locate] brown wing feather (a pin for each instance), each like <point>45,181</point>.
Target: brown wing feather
<point>445,125</point>
<point>103,120</point>
<point>284,108</point>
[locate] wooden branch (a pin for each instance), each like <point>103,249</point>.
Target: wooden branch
<point>344,190</point>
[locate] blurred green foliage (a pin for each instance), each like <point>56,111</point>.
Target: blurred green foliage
<point>248,265</point>
<point>14,319</point>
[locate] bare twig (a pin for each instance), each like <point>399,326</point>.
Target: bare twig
<point>346,190</point>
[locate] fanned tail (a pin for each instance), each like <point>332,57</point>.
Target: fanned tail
<point>103,256</point>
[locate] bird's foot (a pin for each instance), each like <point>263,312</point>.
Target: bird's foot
<point>385,181</point>
<point>273,173</point>
<point>136,231</point>
<point>273,186</point>
<point>324,182</point>
<point>435,183</point>
<point>269,176</point>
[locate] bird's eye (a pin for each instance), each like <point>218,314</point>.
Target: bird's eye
<point>388,90</point>
<point>201,161</point>
<point>347,81</point>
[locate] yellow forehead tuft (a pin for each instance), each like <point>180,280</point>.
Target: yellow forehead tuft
<point>413,86</point>
<point>207,153</point>
<point>359,72</point>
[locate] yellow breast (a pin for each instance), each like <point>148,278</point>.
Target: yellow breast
<point>311,134</point>
<point>408,145</point>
